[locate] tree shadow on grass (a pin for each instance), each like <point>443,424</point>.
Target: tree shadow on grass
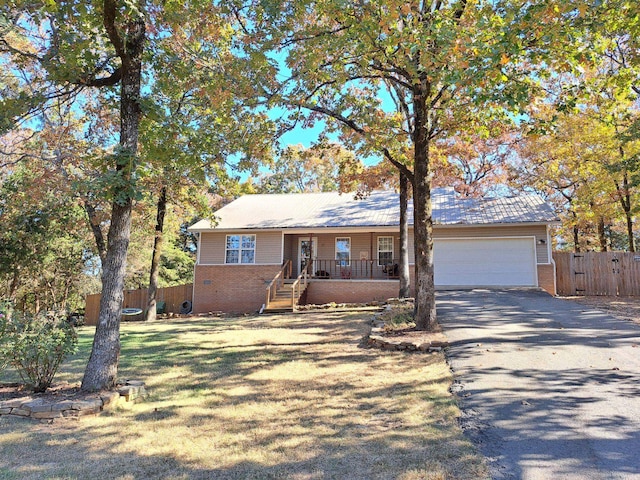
<point>322,409</point>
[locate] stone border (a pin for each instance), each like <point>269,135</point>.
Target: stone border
<point>375,338</point>
<point>333,305</point>
<point>37,408</point>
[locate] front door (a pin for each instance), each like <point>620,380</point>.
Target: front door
<point>307,251</point>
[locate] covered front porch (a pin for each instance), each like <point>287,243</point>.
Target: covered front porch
<point>285,292</point>
<point>335,266</point>
<point>344,256</point>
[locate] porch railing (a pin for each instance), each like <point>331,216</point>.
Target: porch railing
<point>278,281</point>
<point>355,269</point>
<point>300,285</point>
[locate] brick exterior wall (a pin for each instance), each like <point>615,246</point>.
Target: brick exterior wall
<point>242,288</point>
<point>547,278</point>
<point>231,288</point>
<point>350,291</point>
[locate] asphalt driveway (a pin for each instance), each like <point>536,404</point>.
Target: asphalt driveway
<point>549,388</point>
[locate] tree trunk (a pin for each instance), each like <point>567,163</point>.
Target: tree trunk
<point>576,239</point>
<point>575,230</point>
<point>624,197</point>
<point>405,280</point>
<point>602,238</point>
<point>94,223</point>
<point>626,206</point>
<point>102,368</point>
<point>425,304</point>
<point>632,243</point>
<point>150,314</point>
<point>13,286</point>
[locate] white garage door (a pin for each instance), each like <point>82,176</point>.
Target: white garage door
<point>486,262</point>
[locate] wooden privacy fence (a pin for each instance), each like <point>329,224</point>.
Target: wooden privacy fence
<point>598,273</point>
<point>172,296</point>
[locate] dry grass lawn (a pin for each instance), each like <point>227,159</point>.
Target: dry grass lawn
<point>291,396</point>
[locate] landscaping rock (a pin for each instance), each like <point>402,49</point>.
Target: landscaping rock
<point>46,415</point>
<point>20,412</point>
<point>61,406</point>
<point>395,336</point>
<point>46,408</point>
<point>86,404</point>
<point>37,407</point>
<point>109,399</point>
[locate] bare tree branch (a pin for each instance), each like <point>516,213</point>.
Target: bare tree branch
<point>400,166</point>
<point>293,40</point>
<point>109,22</point>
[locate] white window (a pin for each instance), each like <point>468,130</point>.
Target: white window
<point>385,251</point>
<point>343,250</point>
<point>240,249</point>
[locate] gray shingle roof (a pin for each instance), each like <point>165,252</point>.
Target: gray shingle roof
<point>380,209</point>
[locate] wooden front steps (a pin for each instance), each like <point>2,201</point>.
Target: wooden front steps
<point>283,300</point>
<point>283,293</point>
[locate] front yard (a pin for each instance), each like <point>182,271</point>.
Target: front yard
<point>258,397</point>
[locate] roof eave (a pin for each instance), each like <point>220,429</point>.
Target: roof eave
<point>326,229</point>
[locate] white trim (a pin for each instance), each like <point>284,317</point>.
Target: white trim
<point>335,250</point>
<point>238,264</point>
<point>340,230</point>
<point>240,249</point>
<point>282,249</point>
<point>549,249</point>
<point>195,268</point>
<point>378,247</point>
<point>370,228</point>
<point>555,278</point>
<point>314,250</point>
<point>199,247</point>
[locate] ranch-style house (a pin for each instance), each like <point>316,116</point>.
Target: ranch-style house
<point>278,251</point>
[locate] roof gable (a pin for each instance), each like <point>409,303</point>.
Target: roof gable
<point>380,209</point>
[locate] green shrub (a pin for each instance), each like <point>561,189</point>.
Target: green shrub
<point>37,346</point>
<point>398,317</point>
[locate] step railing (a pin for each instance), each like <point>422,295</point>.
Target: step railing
<point>300,285</point>
<point>278,281</point>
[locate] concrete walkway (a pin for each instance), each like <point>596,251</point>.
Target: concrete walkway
<point>549,389</point>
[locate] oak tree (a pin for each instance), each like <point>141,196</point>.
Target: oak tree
<point>390,77</point>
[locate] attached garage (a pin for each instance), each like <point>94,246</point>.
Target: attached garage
<point>488,262</point>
